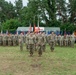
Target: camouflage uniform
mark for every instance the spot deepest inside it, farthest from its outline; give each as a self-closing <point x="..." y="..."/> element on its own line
<point x="21" y="41"/>
<point x="40" y="43"/>
<point x="14" y="40"/>
<point x="17" y="39"/>
<point x="4" y="40"/>
<point x="31" y="43"/>
<point x="27" y="41"/>
<point x="69" y="40"/>
<point x="61" y="41"/>
<point x="44" y="41"/>
<point x="36" y="40"/>
<point x="9" y="40"/>
<point x="0" y="40"/>
<point x="72" y="40"/>
<point x="65" y="40"/>
<point x="52" y="41"/>
<point x="58" y="40"/>
<point x="55" y="40"/>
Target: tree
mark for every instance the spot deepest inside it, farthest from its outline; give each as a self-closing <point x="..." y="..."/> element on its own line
<point x="61" y="12"/>
<point x="11" y="24"/>
<point x="72" y="10"/>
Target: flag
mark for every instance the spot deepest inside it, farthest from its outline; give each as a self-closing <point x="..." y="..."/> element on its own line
<point x="38" y="25"/>
<point x="30" y="28"/>
<point x="1" y="32"/>
<point x="34" y="28"/>
<point x="65" y="33"/>
<point x="7" y="32"/>
<point x="17" y="32"/>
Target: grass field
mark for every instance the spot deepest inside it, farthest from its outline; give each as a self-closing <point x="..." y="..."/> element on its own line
<point x="60" y="62"/>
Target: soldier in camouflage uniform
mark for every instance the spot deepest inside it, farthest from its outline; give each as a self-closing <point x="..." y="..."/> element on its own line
<point x="58" y="40"/>
<point x="9" y="40"/>
<point x="48" y="38"/>
<point x="4" y="40"/>
<point x="36" y="40"/>
<point x="52" y="41"/>
<point x="31" y="44"/>
<point x="72" y="40"/>
<point x="40" y="43"/>
<point x="21" y="41"/>
<point x="65" y="40"/>
<point x="1" y="39"/>
<point x="61" y="41"/>
<point x="27" y="41"/>
<point x="44" y="41"/>
<point x="17" y="39"/>
<point x="14" y="40"/>
<point x="69" y="40"/>
<point x="55" y="39"/>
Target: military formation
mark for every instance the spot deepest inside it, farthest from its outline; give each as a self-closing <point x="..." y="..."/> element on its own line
<point x="37" y="41"/>
<point x="9" y="40"/>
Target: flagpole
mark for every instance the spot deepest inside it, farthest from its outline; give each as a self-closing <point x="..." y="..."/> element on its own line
<point x="38" y="21"/>
<point x="34" y="24"/>
<point x="38" y="24"/>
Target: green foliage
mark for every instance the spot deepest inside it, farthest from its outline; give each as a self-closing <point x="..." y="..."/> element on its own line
<point x="68" y="27"/>
<point x="11" y="24"/>
<point x="55" y="23"/>
<point x="52" y="13"/>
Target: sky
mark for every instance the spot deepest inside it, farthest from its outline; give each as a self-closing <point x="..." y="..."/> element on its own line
<point x="24" y="2"/>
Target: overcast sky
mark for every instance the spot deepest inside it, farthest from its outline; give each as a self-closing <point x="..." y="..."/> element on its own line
<point x="24" y="2"/>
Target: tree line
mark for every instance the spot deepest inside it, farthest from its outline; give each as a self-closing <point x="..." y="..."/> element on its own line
<point x="51" y="13"/>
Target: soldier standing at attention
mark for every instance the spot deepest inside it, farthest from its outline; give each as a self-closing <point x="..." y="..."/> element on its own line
<point x="1" y="39"/>
<point x="21" y="41"/>
<point x="27" y="41"/>
<point x="52" y="41"/>
<point x="9" y="40"/>
<point x="44" y="41"/>
<point x="40" y="44"/>
<point x="35" y="44"/>
<point x="14" y="40"/>
<point x="61" y="41"/>
<point x="31" y="44"/>
<point x="4" y="39"/>
<point x="72" y="40"/>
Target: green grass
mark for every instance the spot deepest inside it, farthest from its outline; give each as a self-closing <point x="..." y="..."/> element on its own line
<point x="60" y="62"/>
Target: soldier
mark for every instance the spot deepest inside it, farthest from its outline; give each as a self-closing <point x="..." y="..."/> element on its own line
<point x="21" y="41"/>
<point x="72" y="40"/>
<point x="1" y="39"/>
<point x="27" y="41"/>
<point x="40" y="43"/>
<point x="14" y="40"/>
<point x="65" y="40"/>
<point x="44" y="41"/>
<point x="48" y="38"/>
<point x="36" y="40"/>
<point x="4" y="40"/>
<point x="56" y="39"/>
<point x="69" y="40"/>
<point x="52" y="41"/>
<point x="9" y="40"/>
<point x="61" y="41"/>
<point x="31" y="44"/>
<point x="17" y="39"/>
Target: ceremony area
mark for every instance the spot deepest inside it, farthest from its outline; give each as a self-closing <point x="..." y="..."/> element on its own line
<point x="15" y="62"/>
<point x="37" y="37"/>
